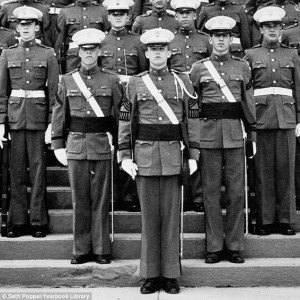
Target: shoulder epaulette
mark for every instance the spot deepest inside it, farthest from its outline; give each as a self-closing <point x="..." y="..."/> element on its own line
<point x="70" y="5"/>
<point x="108" y="71"/>
<point x="38" y="1"/>
<point x="210" y="4"/>
<point x="286" y="46"/>
<point x="43" y="46"/>
<point x="8" y="2"/>
<point x="256" y="46"/>
<point x="236" y="3"/>
<point x="148" y="13"/>
<point x="6" y="29"/>
<point x="14" y="46"/>
<point x="236" y="57"/>
<point x="291" y="26"/>
<point x="170" y="12"/>
<point x="72" y="72"/>
<point x="142" y="74"/>
<point x="202" y="32"/>
<point x="204" y="59"/>
<point x="133" y="33"/>
<point x="96" y="3"/>
<point x="175" y="71"/>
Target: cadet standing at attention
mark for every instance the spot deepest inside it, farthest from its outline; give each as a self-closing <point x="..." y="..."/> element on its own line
<point x="276" y="77"/>
<point x="26" y="69"/>
<point x="161" y="107"/>
<point x="82" y="139"/>
<point x="224" y="86"/>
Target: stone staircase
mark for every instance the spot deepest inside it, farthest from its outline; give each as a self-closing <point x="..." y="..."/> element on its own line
<point x="270" y="261"/>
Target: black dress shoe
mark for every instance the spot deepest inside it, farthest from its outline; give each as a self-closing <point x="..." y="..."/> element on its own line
<point x="170" y="285"/>
<point x="80" y="259"/>
<point x="235" y="257"/>
<point x="150" y="286"/>
<point x="103" y="259"/>
<point x="17" y="231"/>
<point x="213" y="257"/>
<point x="286" y="229"/>
<point x="265" y="229"/>
<point x="38" y="231"/>
<point x="199" y="207"/>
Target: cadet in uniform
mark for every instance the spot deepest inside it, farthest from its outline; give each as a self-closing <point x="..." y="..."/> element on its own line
<point x="189" y="46"/>
<point x="79" y="15"/>
<point x="157" y="157"/>
<point x="7" y="38"/>
<point x="8" y="20"/>
<point x="25" y="71"/>
<point x="123" y="53"/>
<point x="223" y="106"/>
<point x="240" y="33"/>
<point x="84" y="103"/>
<point x="276" y="77"/>
<point x="158" y="17"/>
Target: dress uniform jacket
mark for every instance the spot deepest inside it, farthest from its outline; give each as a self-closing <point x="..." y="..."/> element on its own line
<point x="27" y="66"/>
<point x="9" y="21"/>
<point x="7" y="38"/>
<point x="235" y="11"/>
<point x="221" y="146"/>
<point x="277" y="66"/>
<point x="154" y="19"/>
<point x="187" y="47"/>
<point x="123" y="53"/>
<point x="88" y="153"/>
<point x="291" y="37"/>
<point x="159" y="166"/>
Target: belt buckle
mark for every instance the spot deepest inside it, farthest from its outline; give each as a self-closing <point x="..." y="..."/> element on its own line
<point x="274" y="92"/>
<point x="28" y="94"/>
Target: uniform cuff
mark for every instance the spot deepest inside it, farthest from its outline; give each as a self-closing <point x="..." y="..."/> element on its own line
<point x="57" y="144"/>
<point x="194" y="153"/>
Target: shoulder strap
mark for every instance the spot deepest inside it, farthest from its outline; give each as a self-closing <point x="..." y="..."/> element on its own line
<point x="87" y="94"/>
<point x="160" y="99"/>
<point x="219" y="80"/>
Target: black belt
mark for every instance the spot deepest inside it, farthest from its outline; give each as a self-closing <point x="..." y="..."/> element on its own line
<point x="158" y="132"/>
<point x="92" y="125"/>
<point x="225" y="110"/>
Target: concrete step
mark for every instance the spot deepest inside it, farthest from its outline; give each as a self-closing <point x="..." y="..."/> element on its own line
<point x="130" y="222"/>
<point x="127" y="246"/>
<point x="283" y="272"/>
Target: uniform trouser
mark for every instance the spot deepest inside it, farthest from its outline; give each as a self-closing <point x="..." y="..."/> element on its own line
<point x="28" y="145"/>
<point x="275" y="171"/>
<point x="297" y="172"/>
<point x="160" y="209"/>
<point x="211" y="166"/>
<point x="90" y="182"/>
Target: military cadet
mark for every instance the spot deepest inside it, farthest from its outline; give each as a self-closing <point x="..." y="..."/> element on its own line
<point x="84" y="103"/>
<point x="141" y="7"/>
<point x="8" y="20"/>
<point x="276" y="77"/>
<point x="158" y="17"/>
<point x="234" y="9"/>
<point x="7" y="38"/>
<point x="189" y="46"/>
<point x="79" y="15"/>
<point x="155" y="109"/>
<point x="123" y="53"/>
<point x="26" y="69"/>
<point x="223" y="83"/>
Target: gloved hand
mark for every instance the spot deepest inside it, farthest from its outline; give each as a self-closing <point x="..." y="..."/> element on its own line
<point x="297" y="130"/>
<point x="48" y="134"/>
<point x="2" y="132"/>
<point x="61" y="156"/>
<point x="129" y="167"/>
<point x="254" y="148"/>
<point x="193" y="166"/>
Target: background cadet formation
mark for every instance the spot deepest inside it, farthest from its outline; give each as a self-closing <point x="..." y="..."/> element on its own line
<point x="30" y="69"/>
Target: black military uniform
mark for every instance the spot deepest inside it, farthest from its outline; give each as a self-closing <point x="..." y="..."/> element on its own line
<point x="85" y="136"/>
<point x="27" y="103"/>
<point x="9" y="21"/>
<point x="79" y="15"/>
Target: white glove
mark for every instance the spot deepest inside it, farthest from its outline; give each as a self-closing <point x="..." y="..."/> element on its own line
<point x="193" y="166"/>
<point x="2" y="138"/>
<point x="129" y="167"/>
<point x="61" y="156"/>
<point x="48" y="134"/>
<point x="254" y="148"/>
<point x="297" y="130"/>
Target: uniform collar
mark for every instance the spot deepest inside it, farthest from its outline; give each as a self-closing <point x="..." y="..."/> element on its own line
<point x="187" y="31"/>
<point x="159" y="72"/>
<point x="223" y="3"/>
<point x="215" y="57"/>
<point x="281" y="2"/>
<point x="83" y="3"/>
<point x="159" y="13"/>
<point x="272" y="45"/>
<point x="91" y="71"/>
<point x="121" y="32"/>
<point x="24" y="2"/>
<point x="27" y="44"/>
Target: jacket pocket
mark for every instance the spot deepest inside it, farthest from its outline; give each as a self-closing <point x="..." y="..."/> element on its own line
<point x="75" y="99"/>
<point x="146" y="103"/>
<point x="103" y="96"/>
<point x="208" y="130"/>
<point x="175" y="153"/>
<point x="40" y="69"/>
<point x="143" y="153"/>
<point x="40" y="110"/>
<point x="176" y="57"/>
<point x="15" y="70"/>
<point x="236" y="130"/>
<point x="259" y="69"/>
<point x="261" y="109"/>
<point x="102" y="144"/>
<point x="286" y="70"/>
<point x="289" y="113"/>
<point x="14" y="109"/>
<point x="75" y="142"/>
